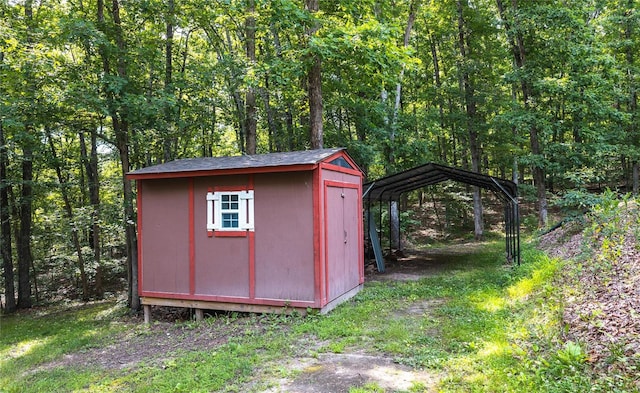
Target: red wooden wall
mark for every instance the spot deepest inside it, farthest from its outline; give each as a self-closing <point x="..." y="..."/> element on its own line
<point x="306" y="250"/>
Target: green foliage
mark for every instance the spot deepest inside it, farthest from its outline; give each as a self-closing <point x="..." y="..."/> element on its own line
<point x="611" y="221"/>
<point x="577" y="202"/>
<point x="64" y="72"/>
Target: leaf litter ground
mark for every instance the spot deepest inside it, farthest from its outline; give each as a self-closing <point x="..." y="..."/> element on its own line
<point x="602" y="308"/>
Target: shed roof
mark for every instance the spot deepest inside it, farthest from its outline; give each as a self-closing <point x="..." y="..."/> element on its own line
<point x="391" y="187"/>
<point x="205" y="165"/>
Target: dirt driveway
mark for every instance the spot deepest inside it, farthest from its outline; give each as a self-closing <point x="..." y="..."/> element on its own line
<point x="338" y="372"/>
<point x="331" y="372"/>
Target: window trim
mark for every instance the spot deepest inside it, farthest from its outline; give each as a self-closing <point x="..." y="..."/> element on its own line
<point x="245" y="213"/>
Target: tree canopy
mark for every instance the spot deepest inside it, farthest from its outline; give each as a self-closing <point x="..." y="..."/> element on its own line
<point x="543" y="92"/>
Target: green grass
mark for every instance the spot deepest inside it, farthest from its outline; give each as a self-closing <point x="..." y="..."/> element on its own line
<point x="480" y="326"/>
<point x="30" y="340"/>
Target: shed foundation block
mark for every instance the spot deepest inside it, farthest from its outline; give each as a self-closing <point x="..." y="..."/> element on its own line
<point x="147" y="313"/>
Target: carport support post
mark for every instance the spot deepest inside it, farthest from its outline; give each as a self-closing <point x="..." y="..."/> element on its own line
<point x="367" y="218"/>
<point x="390" y="230"/>
<point x="516" y="209"/>
<point x="399" y="230"/>
<point x="507" y="230"/>
<point x="398" y="222"/>
<point x="380" y="221"/>
<point x="394" y="225"/>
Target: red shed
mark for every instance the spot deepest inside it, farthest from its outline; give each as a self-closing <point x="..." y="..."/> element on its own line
<point x="263" y="233"/>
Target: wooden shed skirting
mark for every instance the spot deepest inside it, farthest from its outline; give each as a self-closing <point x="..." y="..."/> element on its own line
<point x="200" y="305"/>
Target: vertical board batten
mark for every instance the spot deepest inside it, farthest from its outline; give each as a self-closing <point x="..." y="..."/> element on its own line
<point x="319" y="270"/>
<point x="140" y="236"/>
<point x="252" y="265"/>
<point x="192" y="246"/>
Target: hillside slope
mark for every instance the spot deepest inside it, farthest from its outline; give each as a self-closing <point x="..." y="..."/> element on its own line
<point x="602" y="285"/>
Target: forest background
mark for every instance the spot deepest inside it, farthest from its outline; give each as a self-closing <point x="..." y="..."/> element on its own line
<point x="543" y="92"/>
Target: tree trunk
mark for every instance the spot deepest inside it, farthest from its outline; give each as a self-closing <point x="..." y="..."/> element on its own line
<point x="290" y="130"/>
<point x="275" y="143"/>
<point x="407" y="35"/>
<point x="394" y="225"/>
<point x="539" y="178"/>
<point x="26" y="195"/>
<point x="394" y="214"/>
<point x="442" y="142"/>
<point x="91" y="167"/>
<point x="515" y="175"/>
<point x="130" y="226"/>
<point x="315" y="85"/>
<point x="121" y="128"/>
<point x="633" y="91"/>
<point x="179" y="124"/>
<point x="241" y="130"/>
<point x="5" y="226"/>
<point x="69" y="212"/>
<point x="275" y="118"/>
<point x="121" y="131"/>
<point x="24" y="236"/>
<point x="635" y="176"/>
<point x="516" y="43"/>
<point x="235" y="94"/>
<point x="250" y="96"/>
<point x="471" y="118"/>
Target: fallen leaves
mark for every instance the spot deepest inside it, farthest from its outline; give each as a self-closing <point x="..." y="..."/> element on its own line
<point x="603" y="311"/>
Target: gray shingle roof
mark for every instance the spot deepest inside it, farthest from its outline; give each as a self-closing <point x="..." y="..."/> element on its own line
<point x="305" y="157"/>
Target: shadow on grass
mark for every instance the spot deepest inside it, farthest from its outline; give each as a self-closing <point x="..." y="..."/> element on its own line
<point x="33" y="338"/>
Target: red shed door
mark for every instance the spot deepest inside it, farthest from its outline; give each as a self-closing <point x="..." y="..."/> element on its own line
<point x="342" y="240"/>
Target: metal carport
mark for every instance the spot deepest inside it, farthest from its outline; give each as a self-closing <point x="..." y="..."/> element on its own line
<point x="390" y="188"/>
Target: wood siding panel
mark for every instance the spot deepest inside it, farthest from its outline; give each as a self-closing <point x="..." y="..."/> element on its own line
<point x="222" y="266"/>
<point x="165" y="246"/>
<point x="284" y="264"/>
<point x="221" y="263"/>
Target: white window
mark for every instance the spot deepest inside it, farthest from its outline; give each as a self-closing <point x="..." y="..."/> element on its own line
<point x="230" y="211"/>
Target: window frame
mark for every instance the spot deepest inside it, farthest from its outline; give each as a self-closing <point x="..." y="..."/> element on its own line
<point x="229" y="214"/>
<point x="245" y="212"/>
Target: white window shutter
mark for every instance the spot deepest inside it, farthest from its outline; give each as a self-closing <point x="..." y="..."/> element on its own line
<point x="246" y="210"/>
<point x="214" y="218"/>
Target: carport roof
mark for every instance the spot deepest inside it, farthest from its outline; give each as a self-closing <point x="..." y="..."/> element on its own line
<point x="391" y="187"/>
